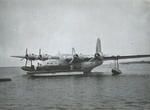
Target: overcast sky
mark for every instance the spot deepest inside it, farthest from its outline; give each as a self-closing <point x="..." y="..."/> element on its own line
<point x="58" y="25"/>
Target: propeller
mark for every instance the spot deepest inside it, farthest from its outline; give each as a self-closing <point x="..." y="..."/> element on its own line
<point x="26" y="57"/>
<point x="26" y="52"/>
<point x="40" y="55"/>
<point x="75" y="56"/>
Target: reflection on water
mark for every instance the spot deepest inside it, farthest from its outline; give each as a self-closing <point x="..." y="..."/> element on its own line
<point x="131" y="90"/>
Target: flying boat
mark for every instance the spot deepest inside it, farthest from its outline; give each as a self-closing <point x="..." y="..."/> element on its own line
<point x="72" y="62"/>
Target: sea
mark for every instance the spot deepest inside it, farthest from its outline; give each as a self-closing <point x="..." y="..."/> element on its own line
<point x="97" y="91"/>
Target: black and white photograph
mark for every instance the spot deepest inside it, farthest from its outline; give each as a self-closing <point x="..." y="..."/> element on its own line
<point x="74" y="54"/>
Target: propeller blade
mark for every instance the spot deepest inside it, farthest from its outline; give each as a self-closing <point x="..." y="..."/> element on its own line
<point x="40" y="55"/>
<point x="26" y="51"/>
<point x="73" y="51"/>
<point x="39" y="51"/>
<point x="26" y="62"/>
<point x="75" y="57"/>
<point x="26" y="54"/>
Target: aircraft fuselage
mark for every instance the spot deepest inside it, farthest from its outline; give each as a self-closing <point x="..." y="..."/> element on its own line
<point x="63" y="67"/>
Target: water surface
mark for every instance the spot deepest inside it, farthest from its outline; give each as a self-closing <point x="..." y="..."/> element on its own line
<point x="131" y="90"/>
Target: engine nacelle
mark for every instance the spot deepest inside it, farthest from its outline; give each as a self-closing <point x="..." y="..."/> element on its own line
<point x="75" y="56"/>
<point x="75" y="59"/>
<point x="43" y="57"/>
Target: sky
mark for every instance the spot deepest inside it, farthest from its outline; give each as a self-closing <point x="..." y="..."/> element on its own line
<point x="58" y="25"/>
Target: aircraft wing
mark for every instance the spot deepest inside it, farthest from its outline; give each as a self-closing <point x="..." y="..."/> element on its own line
<point x="124" y="57"/>
<point x="19" y="56"/>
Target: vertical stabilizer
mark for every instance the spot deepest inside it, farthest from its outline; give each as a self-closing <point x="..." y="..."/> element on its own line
<point x="98" y="46"/>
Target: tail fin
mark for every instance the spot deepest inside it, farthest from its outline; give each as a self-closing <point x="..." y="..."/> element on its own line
<point x="98" y="46"/>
